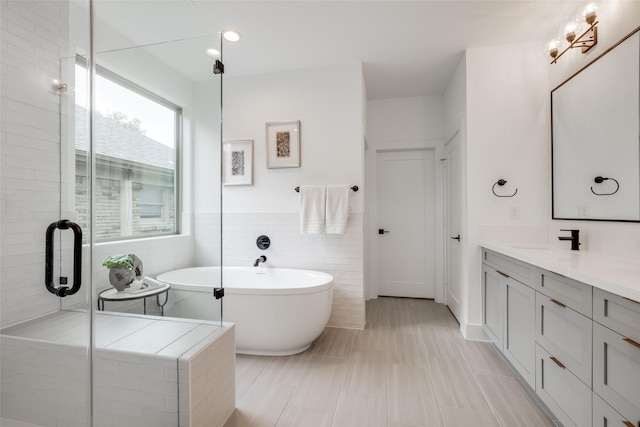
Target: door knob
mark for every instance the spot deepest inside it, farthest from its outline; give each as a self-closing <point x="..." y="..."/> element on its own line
<point x="456" y="238"/>
<point x="382" y="231"/>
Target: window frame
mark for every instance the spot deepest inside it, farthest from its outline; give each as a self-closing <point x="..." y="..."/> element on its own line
<point x="178" y="140"/>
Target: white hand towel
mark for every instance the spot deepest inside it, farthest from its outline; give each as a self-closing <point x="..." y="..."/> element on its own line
<point x="312" y="208"/>
<point x="338" y="208"/>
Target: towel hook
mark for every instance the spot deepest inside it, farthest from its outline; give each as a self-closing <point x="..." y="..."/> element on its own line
<point x="600" y="180"/>
<point x="501" y="182"/>
<point x="354" y="188"/>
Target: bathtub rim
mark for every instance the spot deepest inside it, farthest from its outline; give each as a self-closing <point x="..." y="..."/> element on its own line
<point x="230" y="289"/>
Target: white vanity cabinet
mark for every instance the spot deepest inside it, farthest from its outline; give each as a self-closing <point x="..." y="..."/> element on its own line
<point x="605" y="416"/>
<point x="509" y="311"/>
<point x="578" y="346"/>
<point x="494" y="303"/>
<point x="519" y="343"/>
<point x="616" y="354"/>
<point x="565" y="334"/>
<point x="568" y="398"/>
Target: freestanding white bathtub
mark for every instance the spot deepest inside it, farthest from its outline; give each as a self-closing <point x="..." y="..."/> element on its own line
<point x="277" y="311"/>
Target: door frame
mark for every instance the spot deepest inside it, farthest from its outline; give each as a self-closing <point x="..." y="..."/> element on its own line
<point x="371" y="255"/>
<point x="461" y="131"/>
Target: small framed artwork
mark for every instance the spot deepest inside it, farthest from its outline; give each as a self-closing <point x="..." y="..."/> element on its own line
<point x="237" y="165"/>
<point x="283" y="144"/>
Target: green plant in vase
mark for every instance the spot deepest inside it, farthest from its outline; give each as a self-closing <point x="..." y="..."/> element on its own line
<point x="121" y="272"/>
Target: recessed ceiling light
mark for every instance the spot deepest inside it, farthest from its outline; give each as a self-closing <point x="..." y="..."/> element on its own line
<point x="213" y="52"/>
<point x="231" y="35"/>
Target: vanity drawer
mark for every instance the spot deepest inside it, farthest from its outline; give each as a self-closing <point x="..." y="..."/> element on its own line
<point x="523" y="272"/>
<point x="605" y="416"/>
<point x="568" y="398"/>
<point x="566" y="334"/>
<point x="616" y="371"/>
<point x="569" y="292"/>
<point x="618" y="313"/>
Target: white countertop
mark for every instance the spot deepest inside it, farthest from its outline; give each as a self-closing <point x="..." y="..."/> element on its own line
<point x="614" y="274"/>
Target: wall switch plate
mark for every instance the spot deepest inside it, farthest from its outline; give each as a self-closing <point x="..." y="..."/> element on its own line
<point x="514" y="212"/>
<point x="583" y="211"/>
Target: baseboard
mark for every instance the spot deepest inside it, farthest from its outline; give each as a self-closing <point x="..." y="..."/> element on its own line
<point x="473" y="332"/>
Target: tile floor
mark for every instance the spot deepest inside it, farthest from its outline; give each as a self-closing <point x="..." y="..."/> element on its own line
<point x="409" y="367"/>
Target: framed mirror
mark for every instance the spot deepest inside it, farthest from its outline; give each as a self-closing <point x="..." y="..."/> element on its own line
<point x="595" y="120"/>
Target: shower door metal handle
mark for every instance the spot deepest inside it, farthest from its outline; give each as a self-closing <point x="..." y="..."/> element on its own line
<point x="63" y="291"/>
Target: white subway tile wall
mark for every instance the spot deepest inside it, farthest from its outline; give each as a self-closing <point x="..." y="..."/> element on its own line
<point x="51" y="374"/>
<point x="34" y="38"/>
<point x="207" y="381"/>
<point x="34" y="41"/>
<point x="338" y="255"/>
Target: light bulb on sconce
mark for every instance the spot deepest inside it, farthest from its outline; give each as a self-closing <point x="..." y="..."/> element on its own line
<point x="590" y="13"/>
<point x="554" y="48"/>
<point x="587" y="38"/>
<point x="570" y="31"/>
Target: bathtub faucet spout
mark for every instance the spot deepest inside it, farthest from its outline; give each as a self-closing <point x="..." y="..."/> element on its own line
<point x="259" y="260"/>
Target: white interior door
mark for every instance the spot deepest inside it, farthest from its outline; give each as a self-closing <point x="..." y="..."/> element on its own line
<point x="406" y="216"/>
<point x="454" y="289"/>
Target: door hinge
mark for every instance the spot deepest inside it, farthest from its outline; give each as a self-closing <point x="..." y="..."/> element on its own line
<point x="218" y="67"/>
<point x="218" y="293"/>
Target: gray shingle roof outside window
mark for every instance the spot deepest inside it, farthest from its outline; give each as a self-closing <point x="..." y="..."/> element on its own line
<point x="116" y="141"/>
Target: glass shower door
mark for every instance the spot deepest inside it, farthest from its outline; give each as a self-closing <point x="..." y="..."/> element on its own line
<point x="45" y="279"/>
<point x="155" y="127"/>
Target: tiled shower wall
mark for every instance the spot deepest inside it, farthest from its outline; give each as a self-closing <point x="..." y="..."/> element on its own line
<point x="34" y="38"/>
<point x="340" y="255"/>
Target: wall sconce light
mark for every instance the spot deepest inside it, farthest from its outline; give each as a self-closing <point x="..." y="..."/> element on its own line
<point x="585" y="41"/>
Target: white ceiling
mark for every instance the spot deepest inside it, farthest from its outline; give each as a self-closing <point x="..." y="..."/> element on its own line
<point x="407" y="48"/>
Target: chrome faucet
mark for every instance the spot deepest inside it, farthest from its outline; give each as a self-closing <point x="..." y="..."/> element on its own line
<point x="259" y="260"/>
<point x="575" y="239"/>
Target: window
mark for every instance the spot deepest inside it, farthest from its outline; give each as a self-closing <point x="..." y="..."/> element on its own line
<point x="137" y="141"/>
<point x="152" y="203"/>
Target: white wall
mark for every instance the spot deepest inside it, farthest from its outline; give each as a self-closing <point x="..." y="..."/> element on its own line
<point x="455" y="99"/>
<point x="328" y="103"/>
<point x="30" y="157"/>
<point x="395" y="124"/>
<point x="507" y="136"/>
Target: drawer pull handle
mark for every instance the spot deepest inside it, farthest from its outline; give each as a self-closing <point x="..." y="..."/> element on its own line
<point x="501" y="273"/>
<point x="627" y="424"/>
<point x="557" y="362"/>
<point x="632" y="342"/>
<point x="632" y="300"/>
<point x="558" y="303"/>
